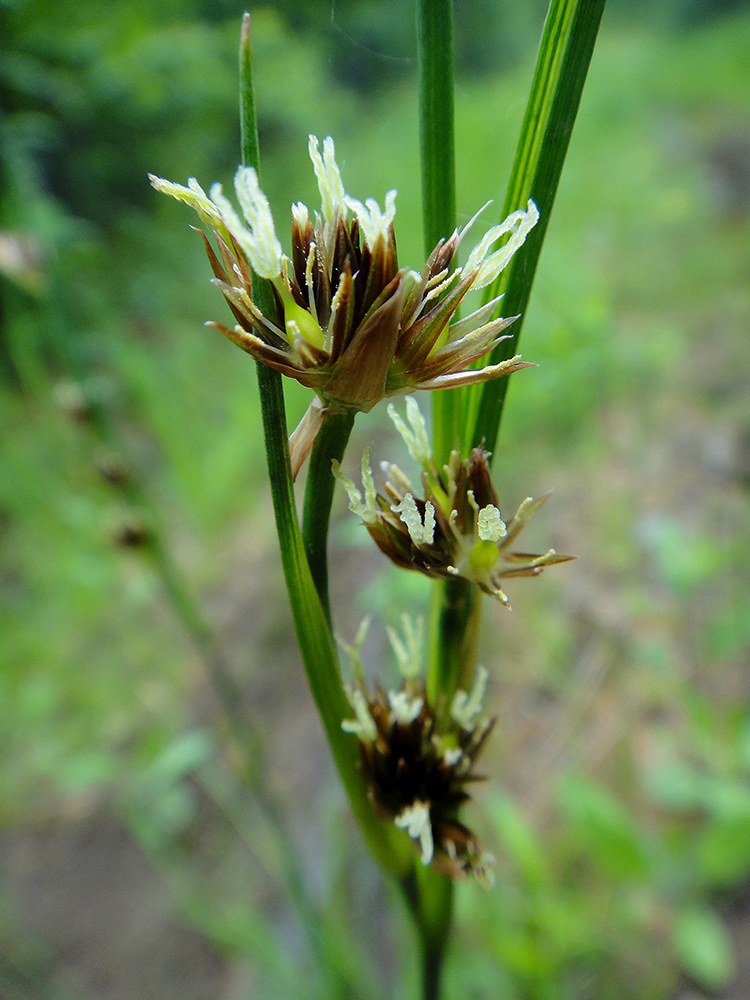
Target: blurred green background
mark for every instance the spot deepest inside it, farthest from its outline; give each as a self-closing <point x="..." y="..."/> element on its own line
<point x="137" y="555"/>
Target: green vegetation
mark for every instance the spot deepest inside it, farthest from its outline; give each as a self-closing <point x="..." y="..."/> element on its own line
<point x="619" y="799"/>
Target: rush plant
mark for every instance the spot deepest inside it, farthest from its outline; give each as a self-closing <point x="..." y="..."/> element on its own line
<point x="344" y="317"/>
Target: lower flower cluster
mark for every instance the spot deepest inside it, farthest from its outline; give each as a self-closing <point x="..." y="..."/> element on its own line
<point x="418" y="763"/>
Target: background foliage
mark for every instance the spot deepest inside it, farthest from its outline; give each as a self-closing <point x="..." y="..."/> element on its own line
<point x="618" y="802"/>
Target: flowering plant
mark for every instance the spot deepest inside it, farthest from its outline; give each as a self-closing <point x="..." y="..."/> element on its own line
<point x="340" y="316"/>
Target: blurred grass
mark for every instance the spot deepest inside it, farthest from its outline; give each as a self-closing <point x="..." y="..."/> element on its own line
<point x="620" y="681"/>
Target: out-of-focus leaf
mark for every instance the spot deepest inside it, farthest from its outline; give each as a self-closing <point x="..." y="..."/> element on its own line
<point x="703" y="948"/>
<point x="603" y="828"/>
<point x="519" y="839"/>
<point x="724" y="849"/>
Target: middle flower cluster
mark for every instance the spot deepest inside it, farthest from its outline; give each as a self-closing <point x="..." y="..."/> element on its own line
<point x="457" y="529"/>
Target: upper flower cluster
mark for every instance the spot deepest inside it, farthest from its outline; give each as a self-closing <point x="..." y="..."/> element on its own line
<point x="349" y="323"/>
<point x="457" y="530"/>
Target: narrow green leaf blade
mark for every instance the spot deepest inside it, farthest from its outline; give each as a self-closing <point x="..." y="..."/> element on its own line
<point x="565" y="53"/>
<point x="438" y="162"/>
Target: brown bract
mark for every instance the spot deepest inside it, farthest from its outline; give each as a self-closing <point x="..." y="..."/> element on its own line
<point x="455" y="529"/>
<point x="357" y="327"/>
<point x="410" y="763"/>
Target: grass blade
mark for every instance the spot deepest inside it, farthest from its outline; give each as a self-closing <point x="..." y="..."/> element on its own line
<point x="565" y="52"/>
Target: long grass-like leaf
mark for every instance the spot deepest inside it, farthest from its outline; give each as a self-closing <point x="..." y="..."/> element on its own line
<point x="437" y="157"/>
<point x="564" y="56"/>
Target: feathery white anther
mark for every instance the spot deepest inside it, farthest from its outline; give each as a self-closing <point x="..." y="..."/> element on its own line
<point x="354" y="651"/>
<point x="416" y="821"/>
<point x="490" y="525"/>
<point x="300" y="214"/>
<point x="409" y="649"/>
<point x="309" y="282"/>
<point x="367" y="510"/>
<point x="330" y="185"/>
<point x="192" y="195"/>
<point x="416" y="439"/>
<point x="465" y="707"/>
<point x="373" y="222"/>
<point x="364" y="725"/>
<point x="261" y="245"/>
<point x="519" y="224"/>
<point x="404" y="708"/>
<point x="396" y="476"/>
<point x="421" y="533"/>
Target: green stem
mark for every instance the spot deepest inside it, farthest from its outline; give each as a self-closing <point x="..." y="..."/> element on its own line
<point x="438" y="161"/>
<point x="432" y="895"/>
<point x="455" y="614"/>
<point x="313" y="632"/>
<point x="429" y="897"/>
<point x="565" y="53"/>
<point x="312" y="629"/>
<point x="330" y="443"/>
<point x="436" y="119"/>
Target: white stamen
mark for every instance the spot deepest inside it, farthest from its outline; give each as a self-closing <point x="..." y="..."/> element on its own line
<point x="367" y="511"/>
<point x="396" y="477"/>
<point x="335" y="302"/>
<point x="309" y="282"/>
<point x="301" y="215"/>
<point x="490" y="525"/>
<point x="416" y="821"/>
<point x="466" y="706"/>
<point x="263" y="250"/>
<point x="330" y="185"/>
<point x="404" y="708"/>
<point x="519" y="224"/>
<point x="192" y="195"/>
<point x="420" y="533"/>
<point x="373" y="221"/>
<point x="364" y="725"/>
<point x="416" y="440"/>
<point x="354" y="651"/>
<point x="369" y="483"/>
<point x="409" y="650"/>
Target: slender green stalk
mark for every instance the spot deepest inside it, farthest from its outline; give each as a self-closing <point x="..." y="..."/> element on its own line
<point x="455" y="613"/>
<point x="330" y="443"/>
<point x="310" y="622"/>
<point x="431" y="895"/>
<point x="565" y="53"/>
<point x="438" y="162"/>
<point x="430" y="899"/>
